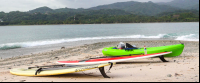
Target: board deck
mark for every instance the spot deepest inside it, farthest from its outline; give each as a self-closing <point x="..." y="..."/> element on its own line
<point x="114" y="59"/>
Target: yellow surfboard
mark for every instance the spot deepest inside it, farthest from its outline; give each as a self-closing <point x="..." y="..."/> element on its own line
<point x="57" y="71"/>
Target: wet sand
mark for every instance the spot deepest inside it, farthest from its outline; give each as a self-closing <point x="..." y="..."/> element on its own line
<point x="184" y="68"/>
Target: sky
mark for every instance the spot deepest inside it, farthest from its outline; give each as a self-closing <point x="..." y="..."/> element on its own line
<point x="26" y="5"/>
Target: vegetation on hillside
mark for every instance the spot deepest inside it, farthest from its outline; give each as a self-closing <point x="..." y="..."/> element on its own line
<point x="121" y="12"/>
<point x="21" y="18"/>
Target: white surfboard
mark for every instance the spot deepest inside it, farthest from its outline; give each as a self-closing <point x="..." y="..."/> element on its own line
<point x="113" y="59"/>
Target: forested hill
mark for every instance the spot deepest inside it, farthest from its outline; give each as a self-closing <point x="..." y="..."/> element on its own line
<point x="43" y="10"/>
<point x="121" y="12"/>
<point x="133" y="7"/>
<point x="139" y="8"/>
<point x="183" y="4"/>
<point x="72" y="12"/>
<point x="24" y="18"/>
<point x="145" y="8"/>
<point x="46" y="9"/>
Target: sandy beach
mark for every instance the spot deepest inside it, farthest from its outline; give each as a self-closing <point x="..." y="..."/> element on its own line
<point x="184" y="68"/>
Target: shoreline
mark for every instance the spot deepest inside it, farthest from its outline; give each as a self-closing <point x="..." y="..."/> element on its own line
<point x="18" y="52"/>
<point x="184" y="69"/>
<point x="99" y="23"/>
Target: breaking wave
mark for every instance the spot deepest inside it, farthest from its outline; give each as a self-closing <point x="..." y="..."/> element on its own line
<point x="190" y="37"/>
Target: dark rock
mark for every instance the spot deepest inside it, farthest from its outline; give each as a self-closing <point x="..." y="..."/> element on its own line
<point x="62" y="47"/>
<point x="169" y="75"/>
<point x="176" y="74"/>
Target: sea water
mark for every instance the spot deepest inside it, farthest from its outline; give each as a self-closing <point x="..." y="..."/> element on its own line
<point x="14" y="37"/>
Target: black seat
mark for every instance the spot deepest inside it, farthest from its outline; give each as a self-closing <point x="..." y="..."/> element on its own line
<point x="130" y="46"/>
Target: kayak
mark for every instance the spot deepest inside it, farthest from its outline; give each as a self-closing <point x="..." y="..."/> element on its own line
<point x="131" y="50"/>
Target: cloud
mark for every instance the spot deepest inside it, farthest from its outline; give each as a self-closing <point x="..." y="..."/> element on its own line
<point x="26" y="5"/>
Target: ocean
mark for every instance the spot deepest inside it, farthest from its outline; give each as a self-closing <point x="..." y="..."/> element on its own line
<point x="15" y="37"/>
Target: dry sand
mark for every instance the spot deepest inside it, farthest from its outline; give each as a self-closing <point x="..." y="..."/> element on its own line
<point x="184" y="68"/>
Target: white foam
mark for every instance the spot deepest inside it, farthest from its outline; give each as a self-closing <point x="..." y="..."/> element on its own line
<point x="190" y="37"/>
<point x="57" y="41"/>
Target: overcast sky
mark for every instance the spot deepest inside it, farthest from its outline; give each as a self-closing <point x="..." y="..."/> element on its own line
<point x="26" y="5"/>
